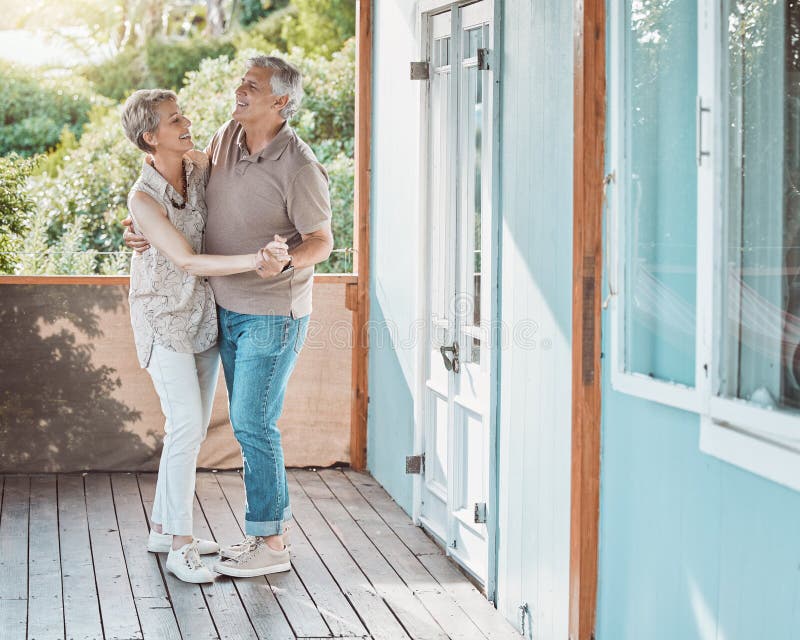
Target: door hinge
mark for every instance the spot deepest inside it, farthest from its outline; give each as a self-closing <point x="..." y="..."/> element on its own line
<point x="415" y="464"/>
<point x="484" y="59"/>
<point x="480" y="513"/>
<point x="420" y="70"/>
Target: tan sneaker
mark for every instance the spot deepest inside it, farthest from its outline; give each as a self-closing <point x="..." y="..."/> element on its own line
<point x="235" y="549"/>
<point x="256" y="559"/>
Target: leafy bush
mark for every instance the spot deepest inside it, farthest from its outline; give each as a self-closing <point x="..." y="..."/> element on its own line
<point x="267" y="33"/>
<point x="252" y="10"/>
<point x="34" y="110"/>
<point x="169" y="60"/>
<point x="118" y="77"/>
<point x="16" y="206"/>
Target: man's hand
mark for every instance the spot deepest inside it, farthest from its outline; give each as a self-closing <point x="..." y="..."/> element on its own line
<point x="271" y="259"/>
<point x="132" y="240"/>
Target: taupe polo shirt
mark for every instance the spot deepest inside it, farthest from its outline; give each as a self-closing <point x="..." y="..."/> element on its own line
<point x="251" y="197"/>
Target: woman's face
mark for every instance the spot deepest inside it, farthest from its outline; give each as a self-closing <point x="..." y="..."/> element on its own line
<point x="172" y="134"/>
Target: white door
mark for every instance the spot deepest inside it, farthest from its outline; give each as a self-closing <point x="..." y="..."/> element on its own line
<point x="455" y="487"/>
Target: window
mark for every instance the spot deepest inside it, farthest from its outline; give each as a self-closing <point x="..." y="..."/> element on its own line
<point x="705" y="223"/>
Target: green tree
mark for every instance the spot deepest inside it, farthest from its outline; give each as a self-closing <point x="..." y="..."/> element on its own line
<point x="321" y="26"/>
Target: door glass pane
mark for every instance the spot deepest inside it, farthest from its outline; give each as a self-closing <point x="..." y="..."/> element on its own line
<point x="441" y="216"/>
<point x="471" y="168"/>
<point x="761" y="291"/>
<point x="660" y="186"/>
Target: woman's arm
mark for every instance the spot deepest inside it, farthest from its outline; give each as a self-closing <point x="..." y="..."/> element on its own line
<point x="152" y="222"/>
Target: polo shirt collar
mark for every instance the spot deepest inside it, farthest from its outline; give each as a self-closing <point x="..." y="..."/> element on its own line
<point x="273" y="151"/>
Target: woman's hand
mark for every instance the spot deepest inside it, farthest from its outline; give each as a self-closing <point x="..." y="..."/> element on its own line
<point x="271" y="259"/>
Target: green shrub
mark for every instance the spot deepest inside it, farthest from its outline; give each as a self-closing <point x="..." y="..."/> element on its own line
<point x="169" y="60"/>
<point x="118" y="77"/>
<point x="267" y="33"/>
<point x="34" y="110"/>
<point x="250" y="11"/>
<point x="16" y="207"/>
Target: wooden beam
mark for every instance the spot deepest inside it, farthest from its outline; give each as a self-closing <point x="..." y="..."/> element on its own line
<point x="363" y="151"/>
<point x="589" y="127"/>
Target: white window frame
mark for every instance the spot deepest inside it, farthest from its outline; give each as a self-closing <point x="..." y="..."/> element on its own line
<point x="761" y="440"/>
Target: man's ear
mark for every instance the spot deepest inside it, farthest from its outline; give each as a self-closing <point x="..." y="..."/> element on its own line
<point x="281" y="102"/>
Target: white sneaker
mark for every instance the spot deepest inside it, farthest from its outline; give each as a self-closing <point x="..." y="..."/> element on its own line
<point x="185" y="564"/>
<point x="231" y="551"/>
<point x="162" y="543"/>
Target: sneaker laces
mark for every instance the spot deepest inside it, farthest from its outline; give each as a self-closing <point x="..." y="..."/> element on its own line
<point x="192" y="556"/>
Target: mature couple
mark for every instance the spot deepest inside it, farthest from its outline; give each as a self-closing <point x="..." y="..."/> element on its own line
<point x="251" y="212"/>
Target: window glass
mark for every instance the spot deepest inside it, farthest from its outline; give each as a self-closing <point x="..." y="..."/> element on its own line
<point x="660" y="183"/>
<point x="761" y="202"/>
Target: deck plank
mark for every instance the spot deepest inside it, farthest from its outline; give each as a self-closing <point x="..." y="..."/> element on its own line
<point x="14" y="557"/>
<point x="441" y="605"/>
<point x="120" y="620"/>
<point x="375" y="613"/>
<point x="46" y="605"/>
<point x="188" y="600"/>
<point x="81" y="605"/>
<point x="328" y="598"/>
<point x="215" y="521"/>
<point x="419" y="623"/>
<point x="295" y="601"/>
<point x="479" y="609"/>
<point x="149" y="593"/>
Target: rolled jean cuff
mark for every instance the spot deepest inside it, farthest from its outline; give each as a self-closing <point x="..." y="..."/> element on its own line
<point x="177" y="527"/>
<point x="269" y="528"/>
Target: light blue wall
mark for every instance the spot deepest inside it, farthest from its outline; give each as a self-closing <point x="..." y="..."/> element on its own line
<point x="394" y="247"/>
<point x="535" y="413"/>
<point x="690" y="547"/>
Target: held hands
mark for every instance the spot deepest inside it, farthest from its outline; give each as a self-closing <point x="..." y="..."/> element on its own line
<point x="133" y="240"/>
<point x="271" y="260"/>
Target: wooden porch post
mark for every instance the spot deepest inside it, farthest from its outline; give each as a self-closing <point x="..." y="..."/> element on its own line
<point x="358" y="299"/>
<point x="589" y="113"/>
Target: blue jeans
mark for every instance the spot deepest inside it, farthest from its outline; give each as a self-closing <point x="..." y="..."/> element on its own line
<point x="258" y="355"/>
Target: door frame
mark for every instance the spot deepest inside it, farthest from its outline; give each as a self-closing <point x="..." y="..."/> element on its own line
<point x="426" y="9"/>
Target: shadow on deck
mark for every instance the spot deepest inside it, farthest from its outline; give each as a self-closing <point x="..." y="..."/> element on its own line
<point x="73" y="564"/>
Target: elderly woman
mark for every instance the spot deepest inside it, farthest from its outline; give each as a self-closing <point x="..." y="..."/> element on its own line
<point x="173" y="312"/>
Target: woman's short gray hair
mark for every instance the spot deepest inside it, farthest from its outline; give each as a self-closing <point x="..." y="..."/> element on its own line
<point x="140" y="115"/>
<point x="286" y="81"/>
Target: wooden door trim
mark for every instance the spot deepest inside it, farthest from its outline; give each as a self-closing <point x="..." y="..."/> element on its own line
<point x="589" y="161"/>
<point x="363" y="174"/>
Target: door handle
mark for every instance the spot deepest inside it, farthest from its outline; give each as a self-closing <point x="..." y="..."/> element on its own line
<point x="451" y="365"/>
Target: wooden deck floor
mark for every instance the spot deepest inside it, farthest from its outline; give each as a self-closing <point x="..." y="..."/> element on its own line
<point x="73" y="564"/>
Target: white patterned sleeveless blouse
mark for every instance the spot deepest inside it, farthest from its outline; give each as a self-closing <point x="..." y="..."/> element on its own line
<point x="170" y="307"/>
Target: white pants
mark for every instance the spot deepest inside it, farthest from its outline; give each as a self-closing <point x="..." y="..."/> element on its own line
<point x="185" y="383"/>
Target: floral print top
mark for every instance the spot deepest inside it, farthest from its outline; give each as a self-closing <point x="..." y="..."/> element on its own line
<point x="169" y="307"/>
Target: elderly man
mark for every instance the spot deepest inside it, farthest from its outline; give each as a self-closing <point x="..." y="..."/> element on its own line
<point x="266" y="188"/>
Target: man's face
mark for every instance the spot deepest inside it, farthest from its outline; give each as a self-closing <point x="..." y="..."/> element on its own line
<point x="255" y="101"/>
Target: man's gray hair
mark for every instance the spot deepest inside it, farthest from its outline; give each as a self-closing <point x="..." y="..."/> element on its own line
<point x="140" y="115"/>
<point x="286" y="81"/>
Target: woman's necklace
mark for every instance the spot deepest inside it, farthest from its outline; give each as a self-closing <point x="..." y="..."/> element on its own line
<point x="184" y="193"/>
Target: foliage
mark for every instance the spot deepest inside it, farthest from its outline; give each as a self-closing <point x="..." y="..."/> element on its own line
<point x="251" y="11"/>
<point x="51" y="163"/>
<point x="168" y="61"/>
<point x="118" y="77"/>
<point x="91" y="187"/>
<point x="340" y="175"/>
<point x="34" y="110"/>
<point x="321" y="26"/>
<point x="267" y="33"/>
<point x="16" y="206"/>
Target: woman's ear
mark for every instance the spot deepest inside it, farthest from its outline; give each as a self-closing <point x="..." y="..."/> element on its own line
<point x="150" y="138"/>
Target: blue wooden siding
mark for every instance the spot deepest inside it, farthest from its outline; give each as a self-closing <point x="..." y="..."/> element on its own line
<point x="690" y="547"/>
<point x="394" y="247"/>
<point x="535" y="394"/>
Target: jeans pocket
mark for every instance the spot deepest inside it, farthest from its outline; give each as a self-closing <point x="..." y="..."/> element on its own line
<point x="302" y="332"/>
<point x="269" y="335"/>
